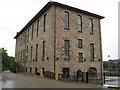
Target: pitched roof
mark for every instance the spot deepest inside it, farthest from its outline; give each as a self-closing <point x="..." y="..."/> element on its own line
<point x="48" y="5"/>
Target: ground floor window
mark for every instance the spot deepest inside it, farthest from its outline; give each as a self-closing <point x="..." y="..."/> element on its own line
<point x="30" y="69"/>
<point x="92" y="71"/>
<point x="35" y="70"/>
<point x="65" y="72"/>
<point x="79" y="73"/>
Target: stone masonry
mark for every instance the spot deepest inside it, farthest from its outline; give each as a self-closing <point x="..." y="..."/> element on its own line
<point x="54" y="36"/>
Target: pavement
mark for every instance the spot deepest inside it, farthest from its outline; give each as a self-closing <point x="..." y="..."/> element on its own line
<point x="0" y="81"/>
<point x="16" y="80"/>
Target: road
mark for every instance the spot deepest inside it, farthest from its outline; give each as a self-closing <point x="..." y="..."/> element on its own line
<point x="15" y="80"/>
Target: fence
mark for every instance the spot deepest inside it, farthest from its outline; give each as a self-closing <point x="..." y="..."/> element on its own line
<point x="111" y="78"/>
<point x="85" y="78"/>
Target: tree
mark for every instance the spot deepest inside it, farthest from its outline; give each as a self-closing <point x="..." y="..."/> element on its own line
<point x="105" y="65"/>
<point x="7" y="62"/>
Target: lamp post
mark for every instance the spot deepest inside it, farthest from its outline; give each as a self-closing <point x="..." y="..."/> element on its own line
<point x="109" y="64"/>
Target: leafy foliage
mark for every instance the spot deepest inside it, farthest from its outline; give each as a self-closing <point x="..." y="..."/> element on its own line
<point x="113" y="66"/>
<point x="6" y="62"/>
<point x="105" y="65"/>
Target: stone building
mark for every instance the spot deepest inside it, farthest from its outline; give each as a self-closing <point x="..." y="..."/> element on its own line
<point x="61" y="38"/>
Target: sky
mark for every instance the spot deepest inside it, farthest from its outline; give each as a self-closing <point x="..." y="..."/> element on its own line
<point x="15" y="14"/>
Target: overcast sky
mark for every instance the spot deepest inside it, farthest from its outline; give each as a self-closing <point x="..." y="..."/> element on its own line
<point x="15" y="14"/>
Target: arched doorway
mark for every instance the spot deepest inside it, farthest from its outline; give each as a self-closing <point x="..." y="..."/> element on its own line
<point x="80" y="76"/>
<point x="92" y="71"/>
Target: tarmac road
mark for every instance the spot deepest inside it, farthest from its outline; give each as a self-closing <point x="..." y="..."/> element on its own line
<point x="16" y="80"/>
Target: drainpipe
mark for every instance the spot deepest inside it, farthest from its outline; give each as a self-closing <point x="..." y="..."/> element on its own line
<point x="101" y="53"/>
<point x="54" y="28"/>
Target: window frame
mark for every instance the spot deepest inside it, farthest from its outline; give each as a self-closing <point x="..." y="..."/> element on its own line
<point x="28" y="35"/>
<point x="66" y="20"/>
<point x="79" y="20"/>
<point x="31" y="53"/>
<point x="80" y="43"/>
<point x="43" y="51"/>
<point x="80" y="54"/>
<point x="32" y="31"/>
<point x="92" y="51"/>
<point x="44" y="23"/>
<point x="38" y="22"/>
<point x="36" y="53"/>
<point x="66" y="49"/>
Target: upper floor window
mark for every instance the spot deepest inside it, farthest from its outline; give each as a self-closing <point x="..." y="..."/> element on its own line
<point x="18" y="56"/>
<point x="28" y="34"/>
<point x="36" y="52"/>
<point x="66" y="49"/>
<point x="31" y="52"/>
<point x="66" y="20"/>
<point x="79" y="23"/>
<point x="27" y="49"/>
<point x="44" y="23"/>
<point x="90" y="25"/>
<point x="92" y="51"/>
<point x="32" y="31"/>
<point x="21" y="56"/>
<point x="80" y="44"/>
<point x="43" y="53"/>
<point x="38" y="27"/>
<point x="80" y="56"/>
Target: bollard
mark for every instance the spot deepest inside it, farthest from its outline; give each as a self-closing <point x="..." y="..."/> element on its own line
<point x="77" y="78"/>
<point x="86" y="77"/>
<point x="56" y="75"/>
<point x="104" y="77"/>
<point x="82" y="77"/>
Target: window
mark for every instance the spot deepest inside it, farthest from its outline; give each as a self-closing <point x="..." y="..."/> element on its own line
<point x="27" y="49"/>
<point x="43" y="50"/>
<point x="28" y="35"/>
<point x="44" y="25"/>
<point x="66" y="49"/>
<point x="80" y="56"/>
<point x="32" y="31"/>
<point x="80" y="43"/>
<point x="92" y="51"/>
<point x="36" y="52"/>
<point x="92" y="71"/>
<point x="31" y="52"/>
<point x="24" y="56"/>
<point x="90" y="26"/>
<point x="18" y="56"/>
<point x="79" y="23"/>
<point x="66" y="20"/>
<point x="37" y="27"/>
<point x="79" y="73"/>
<point x="65" y="72"/>
<point x="21" y="56"/>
